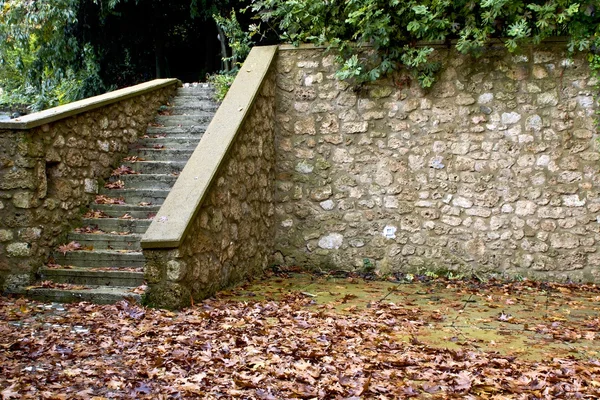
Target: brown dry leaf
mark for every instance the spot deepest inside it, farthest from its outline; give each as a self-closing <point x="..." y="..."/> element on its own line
<point x="102" y="199"/>
<point x="126" y="216"/>
<point x="140" y="289"/>
<point x="10" y="393"/>
<point x="115" y="185"/>
<point x="89" y="229"/>
<point x="95" y="214"/>
<point x="124" y="170"/>
<point x="71" y="246"/>
<point x="258" y="349"/>
<point x="158" y="146"/>
<point x="133" y="159"/>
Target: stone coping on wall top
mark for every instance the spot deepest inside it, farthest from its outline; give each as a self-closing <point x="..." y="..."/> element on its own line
<point x="56" y="113"/>
<point x="169" y="226"/>
<point x="436" y="43"/>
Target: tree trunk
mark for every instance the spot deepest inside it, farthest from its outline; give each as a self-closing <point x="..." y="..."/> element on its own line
<point x="159" y="56"/>
<point x="223" y="40"/>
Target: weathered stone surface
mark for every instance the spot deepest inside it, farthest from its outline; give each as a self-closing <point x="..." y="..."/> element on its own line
<point x="493" y="165"/>
<point x="44" y="186"/>
<point x="331" y="241"/>
<point x="18" y="249"/>
<point x="231" y="238"/>
<point x="5" y="235"/>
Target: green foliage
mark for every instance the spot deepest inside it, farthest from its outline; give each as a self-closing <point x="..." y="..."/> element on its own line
<point x="394" y="27"/>
<point x="43" y="64"/>
<point x="222" y="82"/>
<point x="240" y="43"/>
<point x="368" y="265"/>
<point x="239" y="40"/>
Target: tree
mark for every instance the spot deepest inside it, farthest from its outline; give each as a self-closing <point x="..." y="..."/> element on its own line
<point x="43" y="62"/>
<point x="56" y="51"/>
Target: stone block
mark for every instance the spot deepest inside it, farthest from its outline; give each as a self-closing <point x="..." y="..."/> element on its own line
<point x="564" y="241"/>
<point x="24" y="200"/>
<point x="331" y="241"/>
<point x="18" y="249"/>
<point x="176" y="270"/>
<point x="6" y="235"/>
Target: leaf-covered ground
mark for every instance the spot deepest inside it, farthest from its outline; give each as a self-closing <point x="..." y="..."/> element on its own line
<point x="302" y="336"/>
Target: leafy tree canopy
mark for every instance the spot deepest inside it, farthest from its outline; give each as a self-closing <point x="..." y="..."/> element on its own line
<point x="394" y="28"/>
<point x="56" y="51"/>
<point x="42" y="61"/>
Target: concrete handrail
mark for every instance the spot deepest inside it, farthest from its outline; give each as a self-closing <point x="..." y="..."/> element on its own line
<point x="171" y="223"/>
<point x="77" y="107"/>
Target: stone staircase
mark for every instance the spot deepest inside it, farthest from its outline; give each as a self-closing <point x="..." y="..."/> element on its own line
<point x="102" y="260"/>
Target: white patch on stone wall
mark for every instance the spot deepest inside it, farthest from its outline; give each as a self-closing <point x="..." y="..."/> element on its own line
<point x="585" y="101"/>
<point x="389" y="231"/>
<point x="91" y="185"/>
<point x="436" y="162"/>
<point x="327" y="205"/>
<point x="510" y="118"/>
<point x="304" y="168"/>
<point x="331" y="241"/>
<point x="485" y="98"/>
<point x="573" y="201"/>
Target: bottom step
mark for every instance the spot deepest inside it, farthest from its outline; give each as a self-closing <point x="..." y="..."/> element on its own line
<point x="90" y="277"/>
<point x="98" y="295"/>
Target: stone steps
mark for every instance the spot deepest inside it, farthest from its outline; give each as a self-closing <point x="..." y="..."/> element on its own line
<point x="90" y="277"/>
<point x="168" y="154"/>
<point x="156" y="167"/>
<point x="118" y="224"/>
<point x="177" y="131"/>
<point x="101" y="258"/>
<point x="183" y="142"/>
<point x="157" y="181"/>
<point x="182" y="120"/>
<point x="188" y="105"/>
<point x="195" y="92"/>
<point x="107" y="241"/>
<point x="94" y="294"/>
<point x="109" y="262"/>
<point x="135" y="210"/>
<point x="139" y="195"/>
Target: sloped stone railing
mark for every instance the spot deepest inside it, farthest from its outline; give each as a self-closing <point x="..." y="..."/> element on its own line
<point x="216" y="225"/>
<point x="51" y="164"/>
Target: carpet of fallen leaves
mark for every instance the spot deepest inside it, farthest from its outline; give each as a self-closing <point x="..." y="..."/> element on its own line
<point x="286" y="344"/>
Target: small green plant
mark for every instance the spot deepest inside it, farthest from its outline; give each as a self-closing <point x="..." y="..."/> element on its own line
<point x="222" y="81"/>
<point x="431" y="274"/>
<point x="368" y="265"/>
<point x="454" y="275"/>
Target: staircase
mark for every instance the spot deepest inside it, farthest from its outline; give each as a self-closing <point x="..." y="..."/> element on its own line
<point x="102" y="261"/>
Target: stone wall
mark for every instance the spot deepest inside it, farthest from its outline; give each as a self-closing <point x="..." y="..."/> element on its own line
<point x="230" y="237"/>
<point x="48" y="173"/>
<point x="495" y="168"/>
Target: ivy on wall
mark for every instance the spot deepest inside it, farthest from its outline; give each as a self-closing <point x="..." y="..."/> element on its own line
<point x="394" y="27"/>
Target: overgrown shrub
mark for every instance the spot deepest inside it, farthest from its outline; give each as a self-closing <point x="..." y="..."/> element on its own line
<point x="396" y="29"/>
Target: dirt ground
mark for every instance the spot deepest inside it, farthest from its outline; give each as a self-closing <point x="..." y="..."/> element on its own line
<point x="299" y="335"/>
